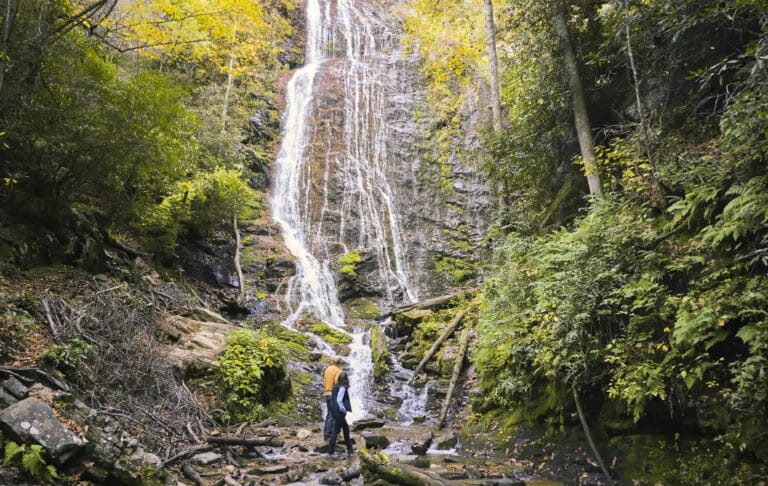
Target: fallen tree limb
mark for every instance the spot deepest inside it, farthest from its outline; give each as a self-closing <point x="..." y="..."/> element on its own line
<point x="395" y="473"/>
<point x="271" y="441"/>
<point x="463" y="346"/>
<point x="31" y="375"/>
<point x="435" y="301"/>
<point x="186" y="453"/>
<point x="446" y="334"/>
<point x="192" y="475"/>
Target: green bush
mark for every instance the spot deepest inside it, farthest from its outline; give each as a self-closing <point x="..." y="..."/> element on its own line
<point x="32" y="460"/>
<point x="253" y="368"/>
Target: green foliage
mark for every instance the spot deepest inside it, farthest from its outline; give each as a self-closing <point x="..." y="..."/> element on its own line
<point x="380" y="354"/>
<point x="32" y="460"/>
<point x="253" y="369"/>
<point x="456" y="270"/>
<point x="349" y="263"/>
<point x="70" y="359"/>
<point x="197" y="206"/>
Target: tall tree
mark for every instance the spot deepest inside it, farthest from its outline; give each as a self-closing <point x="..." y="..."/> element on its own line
<point x="490" y="32"/>
<point x="580" y="116"/>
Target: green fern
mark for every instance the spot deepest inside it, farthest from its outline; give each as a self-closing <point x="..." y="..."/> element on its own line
<point x="12" y="450"/>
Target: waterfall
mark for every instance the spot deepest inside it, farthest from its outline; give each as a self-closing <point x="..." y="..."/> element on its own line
<point x="331" y="189"/>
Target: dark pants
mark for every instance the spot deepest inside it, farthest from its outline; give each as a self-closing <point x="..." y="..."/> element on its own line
<point x="339" y="423"/>
<point x="328" y="427"/>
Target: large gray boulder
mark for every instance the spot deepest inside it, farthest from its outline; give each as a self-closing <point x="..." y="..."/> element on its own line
<point x="33" y="421"/>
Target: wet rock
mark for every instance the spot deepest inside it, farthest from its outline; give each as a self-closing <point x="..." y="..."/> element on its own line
<point x="367" y="424"/>
<point x="446" y="442"/>
<point x="373" y="441"/>
<point x="421" y="444"/>
<point x="32" y="421"/>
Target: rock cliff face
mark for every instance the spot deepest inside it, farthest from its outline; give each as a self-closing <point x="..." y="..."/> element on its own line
<point x="369" y="182"/>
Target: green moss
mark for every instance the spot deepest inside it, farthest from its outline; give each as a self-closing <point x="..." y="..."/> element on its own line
<point x="455" y="269"/>
<point x="361" y="309"/>
<point x="294" y="343"/>
<point x="349" y="263"/>
<point x="329" y="334"/>
<point x="380" y="354"/>
<point x="405" y="322"/>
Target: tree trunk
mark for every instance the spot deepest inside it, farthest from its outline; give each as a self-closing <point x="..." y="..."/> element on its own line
<point x="395" y="473"/>
<point x="490" y="32"/>
<point x="463" y="346"/>
<point x="238" y="266"/>
<point x="585" y="426"/>
<point x="452" y="327"/>
<point x="8" y="16"/>
<point x="436" y="302"/>
<point x="581" y="119"/>
<point x="230" y="77"/>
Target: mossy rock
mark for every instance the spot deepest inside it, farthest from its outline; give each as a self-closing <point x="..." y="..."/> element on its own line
<point x="362" y="309"/>
<point x="330" y="335"/>
<point x="405" y="322"/>
<point x="380" y="354"/>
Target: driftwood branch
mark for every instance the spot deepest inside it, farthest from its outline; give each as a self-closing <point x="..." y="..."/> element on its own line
<point x="446" y="334"/>
<point x="186" y="453"/>
<point x="395" y="473"/>
<point x="270" y="441"/>
<point x="192" y="475"/>
<point x="436" y="301"/>
<point x="463" y="346"/>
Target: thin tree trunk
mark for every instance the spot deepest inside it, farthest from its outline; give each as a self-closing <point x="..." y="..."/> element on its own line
<point x="452" y="327"/>
<point x="581" y="119"/>
<point x="230" y="77"/>
<point x="238" y="266"/>
<point x="640" y="113"/>
<point x="490" y="32"/>
<point x="463" y="346"/>
<point x="9" y="16"/>
<point x="585" y="426"/>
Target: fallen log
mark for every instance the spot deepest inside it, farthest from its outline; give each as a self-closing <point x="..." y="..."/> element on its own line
<point x="186" y="453"/>
<point x="270" y="441"/>
<point x="434" y="301"/>
<point x="446" y="334"/>
<point x="463" y="346"/>
<point x="192" y="475"/>
<point x="376" y="467"/>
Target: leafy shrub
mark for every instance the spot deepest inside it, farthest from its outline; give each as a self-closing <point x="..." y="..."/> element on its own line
<point x="32" y="460"/>
<point x="70" y="359"/>
<point x="197" y="206"/>
<point x="253" y="368"/>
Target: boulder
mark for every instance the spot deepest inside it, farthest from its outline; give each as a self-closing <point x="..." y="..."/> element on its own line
<point x="374" y="423"/>
<point x="32" y="421"/>
<point x="375" y="441"/>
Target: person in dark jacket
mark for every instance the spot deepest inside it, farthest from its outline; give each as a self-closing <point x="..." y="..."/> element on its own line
<point x="340" y="405"/>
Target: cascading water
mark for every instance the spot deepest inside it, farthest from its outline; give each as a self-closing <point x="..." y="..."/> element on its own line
<point x="331" y="192"/>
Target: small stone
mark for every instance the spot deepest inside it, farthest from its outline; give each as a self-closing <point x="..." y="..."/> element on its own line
<point x="206" y="458"/>
<point x="302" y="434"/>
